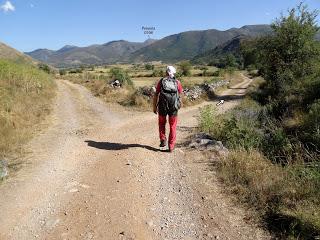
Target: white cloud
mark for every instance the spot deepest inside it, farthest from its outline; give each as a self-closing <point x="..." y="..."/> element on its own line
<point x="7" y="7"/>
<point x="268" y="14"/>
<point x="31" y="5"/>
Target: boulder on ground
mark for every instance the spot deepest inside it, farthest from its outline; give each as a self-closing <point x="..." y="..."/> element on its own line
<point x="204" y="141"/>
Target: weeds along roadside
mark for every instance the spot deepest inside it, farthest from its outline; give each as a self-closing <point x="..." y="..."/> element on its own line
<point x="273" y="136"/>
<point x="26" y="94"/>
<point x="269" y="171"/>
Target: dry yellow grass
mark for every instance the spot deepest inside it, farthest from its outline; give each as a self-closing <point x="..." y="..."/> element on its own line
<point x="142" y="81"/>
<point x="287" y="195"/>
<point x="7" y="52"/>
<point x="25" y="94"/>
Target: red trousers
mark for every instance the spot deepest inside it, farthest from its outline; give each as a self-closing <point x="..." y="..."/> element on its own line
<point x="173" y="126"/>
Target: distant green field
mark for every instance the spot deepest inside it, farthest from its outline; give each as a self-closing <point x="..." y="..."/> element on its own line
<point x="145" y="81"/>
<point x="140" y="75"/>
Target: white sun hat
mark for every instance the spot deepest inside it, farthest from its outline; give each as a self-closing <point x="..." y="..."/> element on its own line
<point x="171" y="71"/>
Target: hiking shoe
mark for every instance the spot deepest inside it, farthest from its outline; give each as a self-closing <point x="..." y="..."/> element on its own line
<point x="163" y="143"/>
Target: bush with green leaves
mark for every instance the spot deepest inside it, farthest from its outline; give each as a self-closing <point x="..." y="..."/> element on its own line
<point x="312" y="126"/>
<point x="242" y="133"/>
<point x="44" y="67"/>
<point x="230" y="61"/>
<point x="121" y="75"/>
<point x="227" y="61"/>
<point x="277" y="145"/>
<point x="290" y="55"/>
<point x="238" y="129"/>
<point x="249" y="54"/>
<point x="208" y="121"/>
<point x="149" y="66"/>
<point x="158" y="73"/>
<point x="76" y="70"/>
<point x="62" y="72"/>
<point x="185" y="68"/>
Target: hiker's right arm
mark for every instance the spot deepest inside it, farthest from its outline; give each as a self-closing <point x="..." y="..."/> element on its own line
<point x="155" y="103"/>
<point x="156" y="97"/>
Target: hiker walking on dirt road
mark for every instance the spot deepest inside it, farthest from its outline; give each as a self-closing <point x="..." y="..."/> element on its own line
<point x="166" y="102"/>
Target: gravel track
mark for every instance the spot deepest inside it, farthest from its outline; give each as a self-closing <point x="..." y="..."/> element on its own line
<point x="96" y="173"/>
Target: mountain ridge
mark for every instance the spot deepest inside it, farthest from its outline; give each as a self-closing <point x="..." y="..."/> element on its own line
<point x="172" y="48"/>
<point x="186" y="45"/>
<point x="70" y="55"/>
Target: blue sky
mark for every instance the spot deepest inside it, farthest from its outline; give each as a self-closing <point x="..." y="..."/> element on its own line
<point x="30" y="24"/>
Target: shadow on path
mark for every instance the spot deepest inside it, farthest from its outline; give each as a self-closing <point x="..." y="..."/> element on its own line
<point x="118" y="146"/>
<point x="230" y="97"/>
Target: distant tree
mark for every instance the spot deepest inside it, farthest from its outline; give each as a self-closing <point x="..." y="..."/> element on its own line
<point x="121" y="75"/>
<point x="44" y="67"/>
<point x="230" y="61"/>
<point x="158" y="73"/>
<point x="185" y="68"/>
<point x="76" y="70"/>
<point x="62" y="72"/>
<point x="149" y="66"/>
<point x="204" y="72"/>
<point x="83" y="67"/>
<point x="250" y="53"/>
<point x="227" y="61"/>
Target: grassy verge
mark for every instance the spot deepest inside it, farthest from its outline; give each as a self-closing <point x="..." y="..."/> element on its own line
<point x="287" y="198"/>
<point x="267" y="169"/>
<point x="26" y="94"/>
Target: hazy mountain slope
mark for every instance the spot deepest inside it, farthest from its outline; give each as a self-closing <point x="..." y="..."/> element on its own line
<point x="94" y="54"/>
<point x="229" y="47"/>
<point x="187" y="45"/>
<point x="10" y="53"/>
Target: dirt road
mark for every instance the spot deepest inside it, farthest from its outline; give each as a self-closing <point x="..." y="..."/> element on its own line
<point x="96" y="173"/>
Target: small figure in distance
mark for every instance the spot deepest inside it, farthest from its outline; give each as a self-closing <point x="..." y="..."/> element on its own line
<point x="167" y="102"/>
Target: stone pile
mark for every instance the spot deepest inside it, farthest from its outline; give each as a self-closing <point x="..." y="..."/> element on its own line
<point x="207" y="88"/>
